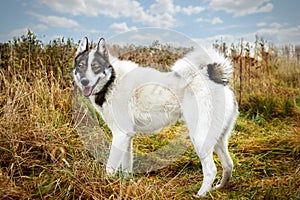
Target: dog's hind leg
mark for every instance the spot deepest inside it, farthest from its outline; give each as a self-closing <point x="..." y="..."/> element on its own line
<point x="209" y="173"/>
<point x="221" y="149"/>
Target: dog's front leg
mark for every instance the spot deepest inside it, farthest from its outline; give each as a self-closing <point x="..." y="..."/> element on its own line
<point x="127" y="158"/>
<point x="120" y="154"/>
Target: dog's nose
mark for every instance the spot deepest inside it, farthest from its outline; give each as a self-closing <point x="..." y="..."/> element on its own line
<point x="85" y="82"/>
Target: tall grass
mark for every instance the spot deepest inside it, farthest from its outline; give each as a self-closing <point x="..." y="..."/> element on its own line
<point x="266" y="78"/>
<point x="43" y="157"/>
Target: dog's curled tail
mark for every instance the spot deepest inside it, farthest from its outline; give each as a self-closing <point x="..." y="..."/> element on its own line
<point x="208" y="62"/>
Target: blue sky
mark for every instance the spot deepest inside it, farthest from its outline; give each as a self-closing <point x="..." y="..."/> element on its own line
<point x="203" y="21"/>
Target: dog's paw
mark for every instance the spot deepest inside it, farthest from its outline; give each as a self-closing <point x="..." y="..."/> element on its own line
<point x="110" y="171"/>
<point x="219" y="186"/>
<point x="197" y="196"/>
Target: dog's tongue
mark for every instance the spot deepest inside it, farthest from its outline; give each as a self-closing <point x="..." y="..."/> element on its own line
<point x="87" y="91"/>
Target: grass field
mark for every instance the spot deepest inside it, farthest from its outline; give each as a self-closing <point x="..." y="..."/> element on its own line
<point x="43" y="157"/>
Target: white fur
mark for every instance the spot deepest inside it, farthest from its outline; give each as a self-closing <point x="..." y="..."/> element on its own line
<point x="145" y="100"/>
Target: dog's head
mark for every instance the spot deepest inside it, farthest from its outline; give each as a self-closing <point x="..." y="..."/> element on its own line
<point x="92" y="69"/>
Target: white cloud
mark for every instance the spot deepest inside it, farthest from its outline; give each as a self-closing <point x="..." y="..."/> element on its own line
<point x="114" y="9"/>
<point x="23" y="31"/>
<point x="55" y="21"/>
<point x="190" y="10"/>
<point x="266" y="8"/>
<point x="261" y="24"/>
<point x="200" y="19"/>
<point x="242" y="7"/>
<point x="167" y="6"/>
<point x="276" y="36"/>
<point x="276" y="25"/>
<point x="215" y="20"/>
<point x="39" y="27"/>
<point x="118" y="8"/>
<point x="74" y="7"/>
<point x="59" y="21"/>
<point x="164" y="6"/>
<point x="160" y="14"/>
<point x="121" y="27"/>
<point x="18" y="32"/>
<point x="280" y="34"/>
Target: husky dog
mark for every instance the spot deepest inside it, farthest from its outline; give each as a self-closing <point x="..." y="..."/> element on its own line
<point x="134" y="99"/>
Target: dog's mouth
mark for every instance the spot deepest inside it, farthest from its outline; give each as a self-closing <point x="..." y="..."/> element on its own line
<point x="87" y="91"/>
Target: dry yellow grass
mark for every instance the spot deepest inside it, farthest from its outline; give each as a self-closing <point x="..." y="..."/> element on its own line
<point x="42" y="156"/>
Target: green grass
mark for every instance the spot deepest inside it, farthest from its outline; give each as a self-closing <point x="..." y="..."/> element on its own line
<point x="43" y="157"/>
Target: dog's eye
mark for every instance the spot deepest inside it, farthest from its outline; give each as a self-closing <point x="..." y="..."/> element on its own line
<point x="96" y="67"/>
<point x="80" y="65"/>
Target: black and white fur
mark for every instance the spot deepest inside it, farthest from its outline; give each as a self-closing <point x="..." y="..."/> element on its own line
<point x="134" y="99"/>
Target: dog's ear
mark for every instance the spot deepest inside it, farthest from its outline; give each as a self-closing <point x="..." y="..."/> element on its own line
<point x="101" y="48"/>
<point x="83" y="46"/>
